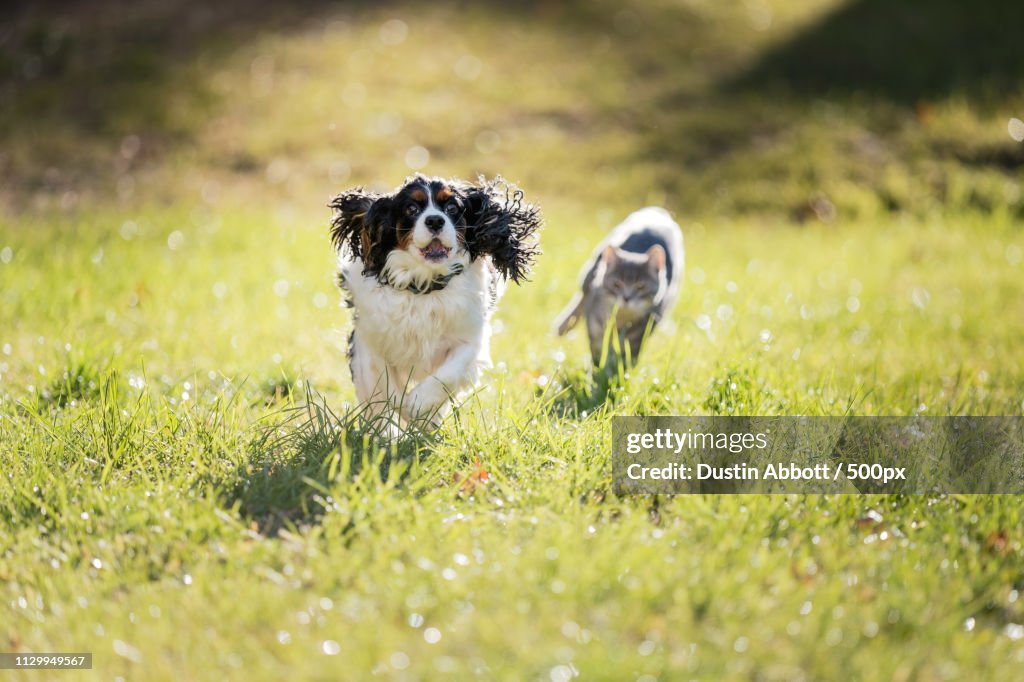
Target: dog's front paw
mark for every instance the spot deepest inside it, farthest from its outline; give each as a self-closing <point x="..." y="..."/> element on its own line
<point x="427" y="403"/>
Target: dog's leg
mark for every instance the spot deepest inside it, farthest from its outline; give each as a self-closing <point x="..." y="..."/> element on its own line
<point x="375" y="389"/>
<point x="431" y="399"/>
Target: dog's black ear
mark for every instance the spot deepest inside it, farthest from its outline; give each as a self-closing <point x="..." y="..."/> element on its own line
<point x="350" y="209"/>
<point x="379" y="236"/>
<point x="361" y="225"/>
<point x="501" y="225"/>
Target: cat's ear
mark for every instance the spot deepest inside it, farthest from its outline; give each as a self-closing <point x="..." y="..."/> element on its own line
<point x="609" y="257"/>
<point x="656" y="258"/>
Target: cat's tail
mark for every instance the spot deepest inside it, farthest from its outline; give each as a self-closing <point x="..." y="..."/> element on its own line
<point x="568" y="318"/>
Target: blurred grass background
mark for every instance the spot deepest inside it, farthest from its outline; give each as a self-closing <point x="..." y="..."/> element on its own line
<point x="851" y="202"/>
<point x="768" y="108"/>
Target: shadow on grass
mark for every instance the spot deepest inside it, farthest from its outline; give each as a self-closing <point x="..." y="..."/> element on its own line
<point x="835" y="101"/>
<point x="104" y="88"/>
<point x="906" y="52"/>
<point x="308" y="449"/>
<point x="577" y="393"/>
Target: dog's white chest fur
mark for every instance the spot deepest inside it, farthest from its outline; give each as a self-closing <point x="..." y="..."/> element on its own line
<point x="418" y="351"/>
<point x="414" y="333"/>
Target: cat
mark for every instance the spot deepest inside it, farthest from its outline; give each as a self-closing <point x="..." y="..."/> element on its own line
<point x="630" y="283"/>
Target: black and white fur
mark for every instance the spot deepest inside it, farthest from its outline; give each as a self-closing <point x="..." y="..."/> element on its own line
<point x="650" y="242"/>
<point x="424" y="268"/>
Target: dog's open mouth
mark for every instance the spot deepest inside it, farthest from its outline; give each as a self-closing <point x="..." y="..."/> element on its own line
<point x="435" y="251"/>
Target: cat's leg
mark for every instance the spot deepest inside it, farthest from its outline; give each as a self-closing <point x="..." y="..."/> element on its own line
<point x="618" y="350"/>
<point x="633" y="338"/>
<point x="605" y="343"/>
<point x="572" y="313"/>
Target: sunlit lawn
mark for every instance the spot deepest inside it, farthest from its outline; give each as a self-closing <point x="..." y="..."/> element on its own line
<point x="185" y="492"/>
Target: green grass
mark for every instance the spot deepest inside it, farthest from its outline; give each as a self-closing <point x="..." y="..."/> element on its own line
<point x="186" y="490"/>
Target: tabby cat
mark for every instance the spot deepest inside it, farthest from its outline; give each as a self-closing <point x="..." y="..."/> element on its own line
<point x="630" y="282"/>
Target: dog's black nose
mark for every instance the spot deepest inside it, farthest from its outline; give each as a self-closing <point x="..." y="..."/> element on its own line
<point x="434" y="223"/>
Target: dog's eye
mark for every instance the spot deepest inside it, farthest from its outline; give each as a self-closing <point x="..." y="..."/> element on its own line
<point x="451" y="208"/>
<point x="412" y="209"/>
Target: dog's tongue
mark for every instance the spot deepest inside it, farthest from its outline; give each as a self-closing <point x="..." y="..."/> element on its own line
<point x="435" y="249"/>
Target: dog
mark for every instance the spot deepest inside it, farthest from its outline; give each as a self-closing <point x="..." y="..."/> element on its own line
<point x="423" y="268"/>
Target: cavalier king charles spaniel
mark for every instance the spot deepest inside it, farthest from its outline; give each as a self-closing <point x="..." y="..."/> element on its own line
<point x="423" y="269"/>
